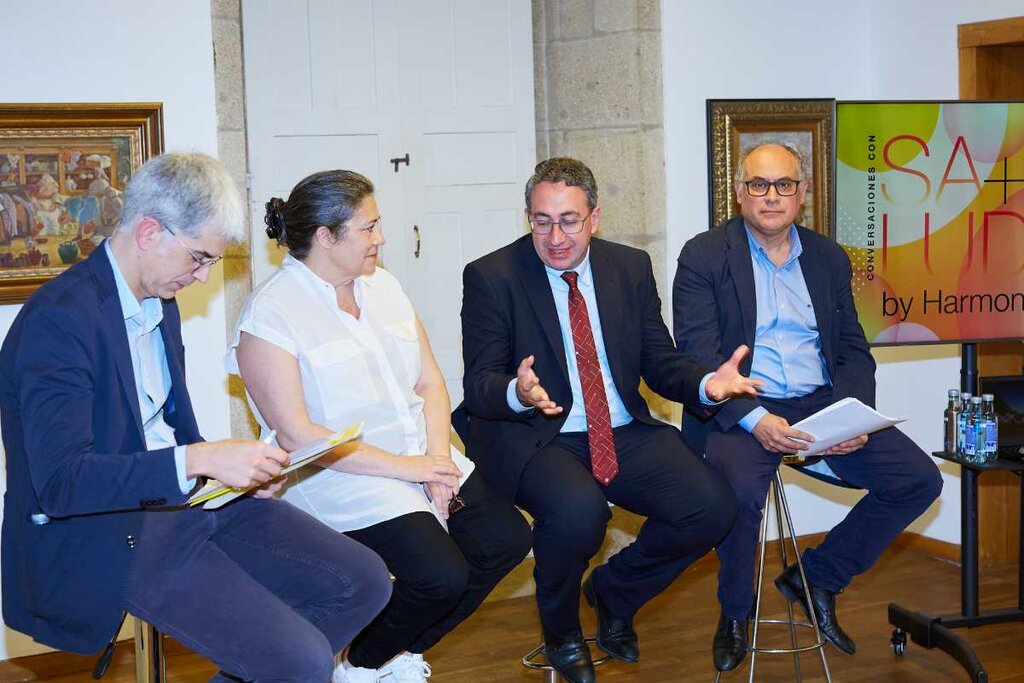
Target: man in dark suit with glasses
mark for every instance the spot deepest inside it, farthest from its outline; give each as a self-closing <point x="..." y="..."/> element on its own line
<point x="559" y="327"/>
<point x="784" y="291"/>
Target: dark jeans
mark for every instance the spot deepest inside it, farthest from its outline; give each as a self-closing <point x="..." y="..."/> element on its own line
<point x="689" y="508"/>
<point x="900" y="479"/>
<point x="440" y="578"/>
<point x="259" y="587"/>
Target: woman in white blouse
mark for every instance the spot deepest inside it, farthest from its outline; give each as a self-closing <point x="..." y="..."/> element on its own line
<point x="330" y="340"/>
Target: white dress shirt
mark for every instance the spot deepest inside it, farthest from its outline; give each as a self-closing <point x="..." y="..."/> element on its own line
<point x="149" y="366"/>
<point x="352" y="370"/>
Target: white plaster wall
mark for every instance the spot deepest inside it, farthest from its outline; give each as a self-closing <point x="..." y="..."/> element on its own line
<point x="871" y="49"/>
<point x="129" y="51"/>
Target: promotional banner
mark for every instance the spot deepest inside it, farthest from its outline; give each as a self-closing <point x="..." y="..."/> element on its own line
<point x="930" y="209"/>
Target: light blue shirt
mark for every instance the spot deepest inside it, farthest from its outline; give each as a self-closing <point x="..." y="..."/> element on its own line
<point x="149" y="365"/>
<point x="787" y="345"/>
<point x="576" y="421"/>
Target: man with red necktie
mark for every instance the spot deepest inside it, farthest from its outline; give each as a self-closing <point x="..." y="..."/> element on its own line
<point x="558" y="330"/>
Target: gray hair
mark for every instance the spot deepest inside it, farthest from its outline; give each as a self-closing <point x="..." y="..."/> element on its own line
<point x="738" y="178"/>
<point x="572" y="172"/>
<point x="187" y="192"/>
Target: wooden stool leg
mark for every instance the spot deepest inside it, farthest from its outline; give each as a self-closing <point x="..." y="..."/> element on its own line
<point x="149" y="654"/>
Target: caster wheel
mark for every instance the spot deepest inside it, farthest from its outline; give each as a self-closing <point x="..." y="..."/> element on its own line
<point x="898" y="642"/>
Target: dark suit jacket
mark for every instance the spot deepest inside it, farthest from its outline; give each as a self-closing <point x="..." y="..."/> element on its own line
<point x="508" y="313"/>
<point x="715" y="310"/>
<point x="76" y="452"/>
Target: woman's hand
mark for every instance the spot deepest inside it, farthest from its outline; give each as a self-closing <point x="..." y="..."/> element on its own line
<point x="430" y="469"/>
<point x="440" y="495"/>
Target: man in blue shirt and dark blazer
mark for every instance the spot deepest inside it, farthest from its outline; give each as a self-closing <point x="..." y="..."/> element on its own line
<point x="103" y="449"/>
<point x="763" y="281"/>
<point x="558" y="329"/>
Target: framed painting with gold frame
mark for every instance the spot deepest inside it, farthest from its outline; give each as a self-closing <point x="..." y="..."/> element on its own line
<point x="734" y="126"/>
<point x="63" y="170"/>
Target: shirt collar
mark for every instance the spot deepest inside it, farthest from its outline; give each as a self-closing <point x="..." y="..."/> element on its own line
<point x="795" y="247"/>
<point x="582" y="270"/>
<point x="304" y="273"/>
<point x="148" y="313"/>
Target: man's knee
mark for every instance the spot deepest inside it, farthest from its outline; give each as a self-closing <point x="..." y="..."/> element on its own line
<point x="306" y="659"/>
<point x="578" y="526"/>
<point x="364" y="577"/>
<point x="715" y="509"/>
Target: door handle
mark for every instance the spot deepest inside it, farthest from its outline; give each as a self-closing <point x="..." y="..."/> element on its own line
<point x="416" y="232"/>
<point x="400" y="160"/>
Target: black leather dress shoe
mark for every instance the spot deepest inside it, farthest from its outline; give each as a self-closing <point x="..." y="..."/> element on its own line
<point x="615" y="635"/>
<point x="570" y="656"/>
<point x="730" y="645"/>
<point x="791" y="586"/>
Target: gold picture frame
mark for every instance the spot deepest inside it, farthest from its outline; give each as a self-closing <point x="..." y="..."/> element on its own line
<point x="808" y="125"/>
<point x="63" y="170"/>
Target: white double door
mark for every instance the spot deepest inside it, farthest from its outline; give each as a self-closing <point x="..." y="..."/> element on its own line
<point x="354" y="84"/>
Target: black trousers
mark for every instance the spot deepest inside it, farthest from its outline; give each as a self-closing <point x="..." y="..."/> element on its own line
<point x="689" y="508"/>
<point x="440" y="577"/>
<point x="900" y="479"/>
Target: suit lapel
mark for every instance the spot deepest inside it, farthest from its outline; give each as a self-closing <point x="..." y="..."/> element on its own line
<point x="609" y="294"/>
<point x="178" y="411"/>
<point x="538" y="292"/>
<point x="742" y="271"/>
<point x="114" y="329"/>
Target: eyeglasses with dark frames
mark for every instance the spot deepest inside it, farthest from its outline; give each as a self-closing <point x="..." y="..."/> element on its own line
<point x="201" y="261"/>
<point x="784" y="187"/>
<point x="570" y="226"/>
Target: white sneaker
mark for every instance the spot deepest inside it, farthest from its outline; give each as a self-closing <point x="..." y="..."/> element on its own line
<point x="354" y="675"/>
<point x="405" y="668"/>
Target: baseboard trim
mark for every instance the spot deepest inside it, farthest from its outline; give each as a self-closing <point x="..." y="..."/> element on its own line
<point x="53" y="664"/>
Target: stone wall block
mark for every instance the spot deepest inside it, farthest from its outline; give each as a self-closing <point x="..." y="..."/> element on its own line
<point x="595" y="82"/>
<point x="576" y="18"/>
<point x="615" y="157"/>
<point x="650" y="77"/>
<point x="615" y="15"/>
<point x="230" y="88"/>
<point x="648" y="15"/>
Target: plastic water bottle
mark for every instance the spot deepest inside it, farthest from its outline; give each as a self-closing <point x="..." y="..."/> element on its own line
<point x="973" y="428"/>
<point x="951" y="423"/>
<point x="965" y="407"/>
<point x="991" y="422"/>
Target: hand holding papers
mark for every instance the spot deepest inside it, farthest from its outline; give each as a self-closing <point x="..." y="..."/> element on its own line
<point x="215" y="494"/>
<point x="840" y="421"/>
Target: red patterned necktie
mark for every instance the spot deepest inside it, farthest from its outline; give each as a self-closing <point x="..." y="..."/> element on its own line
<point x="603" y="462"/>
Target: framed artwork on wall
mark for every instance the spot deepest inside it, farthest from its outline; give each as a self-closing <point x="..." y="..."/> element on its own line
<point x="808" y="126"/>
<point x="63" y="171"/>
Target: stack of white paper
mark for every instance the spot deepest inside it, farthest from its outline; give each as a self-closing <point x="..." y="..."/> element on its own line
<point x="840" y="421"/>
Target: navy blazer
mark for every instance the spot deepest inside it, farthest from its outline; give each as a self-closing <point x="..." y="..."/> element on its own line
<point x="76" y="453"/>
<point x="715" y="310"/>
<point x="508" y="313"/>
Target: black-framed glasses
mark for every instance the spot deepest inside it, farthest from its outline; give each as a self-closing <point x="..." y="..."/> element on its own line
<point x="455" y="504"/>
<point x="570" y="226"/>
<point x="784" y="187"/>
<point x="201" y="261"/>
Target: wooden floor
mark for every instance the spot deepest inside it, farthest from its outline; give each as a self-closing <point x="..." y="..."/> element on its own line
<point x="676" y="630"/>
